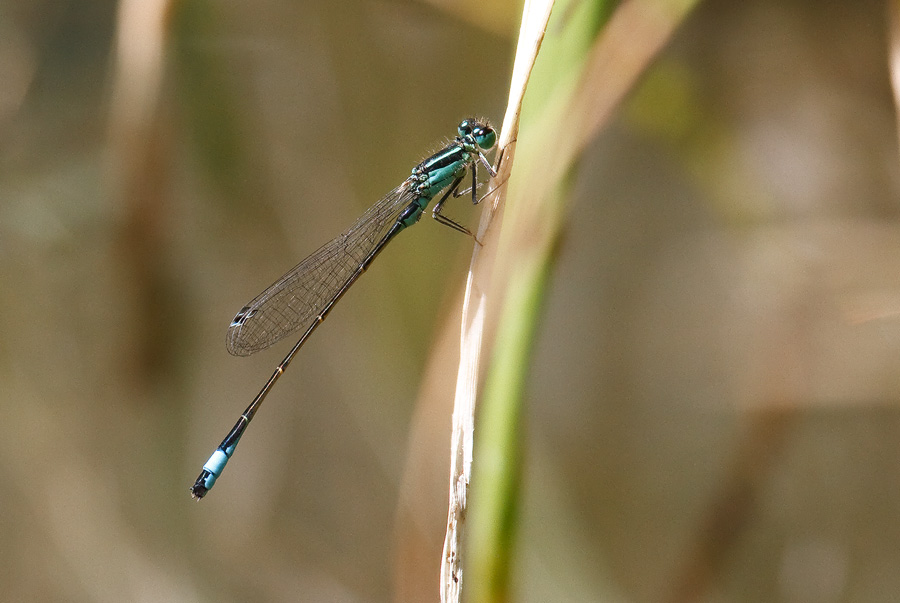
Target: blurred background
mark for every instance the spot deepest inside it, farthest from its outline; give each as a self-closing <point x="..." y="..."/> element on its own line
<point x="713" y="406"/>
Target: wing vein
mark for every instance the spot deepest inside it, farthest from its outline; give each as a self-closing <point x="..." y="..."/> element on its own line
<point x="295" y="299"/>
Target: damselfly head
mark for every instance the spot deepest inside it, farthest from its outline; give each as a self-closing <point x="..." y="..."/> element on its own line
<point x="479" y="131"/>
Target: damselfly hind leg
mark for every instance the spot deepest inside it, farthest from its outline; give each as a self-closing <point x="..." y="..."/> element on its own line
<point x="442" y="219"/>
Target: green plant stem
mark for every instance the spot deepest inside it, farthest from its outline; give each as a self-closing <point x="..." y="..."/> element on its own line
<point x="586" y="78"/>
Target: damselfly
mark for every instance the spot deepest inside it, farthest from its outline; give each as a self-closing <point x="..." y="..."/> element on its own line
<point x="302" y="298"/>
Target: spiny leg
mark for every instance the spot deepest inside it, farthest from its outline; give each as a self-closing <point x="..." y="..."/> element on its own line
<point x="442" y="219"/>
<point x="475" y="184"/>
<point x="487" y="164"/>
<point x="454" y="190"/>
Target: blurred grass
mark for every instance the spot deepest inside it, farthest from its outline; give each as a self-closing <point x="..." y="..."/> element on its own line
<point x="712" y="405"/>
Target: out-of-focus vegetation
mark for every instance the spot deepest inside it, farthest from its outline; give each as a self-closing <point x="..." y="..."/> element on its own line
<point x="713" y="408"/>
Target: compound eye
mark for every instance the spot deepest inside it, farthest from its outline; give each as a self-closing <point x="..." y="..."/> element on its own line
<point x="485" y="137"/>
<point x="465" y="127"/>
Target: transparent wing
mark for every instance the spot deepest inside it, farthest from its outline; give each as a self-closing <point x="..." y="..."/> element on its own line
<point x="295" y="299"/>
